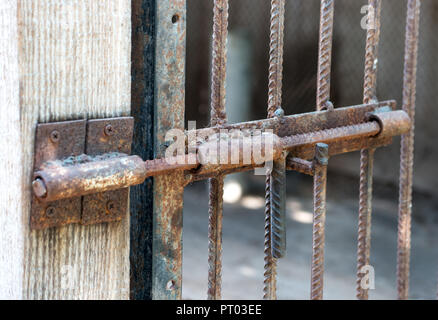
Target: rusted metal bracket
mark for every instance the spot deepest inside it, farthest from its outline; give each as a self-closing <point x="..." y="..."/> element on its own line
<point x="68" y="144"/>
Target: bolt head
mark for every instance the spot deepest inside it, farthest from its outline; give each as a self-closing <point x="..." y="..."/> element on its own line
<point x="50" y="212"/>
<point x="55" y="136"/>
<point x="109" y="130"/>
<point x="170" y="285"/>
<point x="111" y="207"/>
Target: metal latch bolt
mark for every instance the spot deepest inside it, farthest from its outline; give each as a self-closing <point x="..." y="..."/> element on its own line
<point x="67" y="174"/>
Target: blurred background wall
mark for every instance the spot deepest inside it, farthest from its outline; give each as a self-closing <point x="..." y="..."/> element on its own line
<point x="248" y="65"/>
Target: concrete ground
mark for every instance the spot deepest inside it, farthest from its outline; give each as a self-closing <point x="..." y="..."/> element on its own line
<point x="243" y="232"/>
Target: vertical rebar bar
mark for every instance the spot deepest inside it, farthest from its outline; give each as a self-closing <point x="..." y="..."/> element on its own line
<point x="407" y="149"/>
<point x="218" y="118"/>
<point x="364" y="224"/>
<point x="215" y="238"/>
<point x="278" y="207"/>
<point x="367" y="155"/>
<point x="275" y="180"/>
<point x="321" y="150"/>
<point x="319" y="202"/>
<point x="325" y="54"/>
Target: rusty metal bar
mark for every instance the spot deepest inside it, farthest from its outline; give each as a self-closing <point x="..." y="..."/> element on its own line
<point x="218" y="118"/>
<point x="364" y="224"/>
<point x="275" y="202"/>
<point x="321" y="150"/>
<point x="300" y="165"/>
<point x="79" y="176"/>
<point x="88" y="177"/>
<point x="407" y="149"/>
<point x="325" y="55"/>
<point x="319" y="202"/>
<point x="278" y="207"/>
<point x="169" y="104"/>
<point x="304" y="122"/>
<point x="367" y="155"/>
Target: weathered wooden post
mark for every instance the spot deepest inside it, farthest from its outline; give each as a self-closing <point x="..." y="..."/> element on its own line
<point x="59" y="60"/>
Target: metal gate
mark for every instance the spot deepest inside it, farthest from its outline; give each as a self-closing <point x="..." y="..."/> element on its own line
<point x="341" y="129"/>
<point x="302" y="142"/>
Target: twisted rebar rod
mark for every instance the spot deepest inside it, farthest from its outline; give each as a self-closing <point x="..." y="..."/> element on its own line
<point x="319" y="201"/>
<point x="275" y="179"/>
<point x="367" y="155"/>
<point x="325" y="54"/>
<point x="218" y="118"/>
<point x="407" y="149"/>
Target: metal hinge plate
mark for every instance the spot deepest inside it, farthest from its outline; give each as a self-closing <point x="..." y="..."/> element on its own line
<point x="65" y="141"/>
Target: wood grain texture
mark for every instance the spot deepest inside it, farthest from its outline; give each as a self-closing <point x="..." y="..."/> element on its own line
<point x="11" y="226"/>
<point x="74" y="63"/>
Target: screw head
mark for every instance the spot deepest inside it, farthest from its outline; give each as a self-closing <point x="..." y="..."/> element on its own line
<point x="170" y="285"/>
<point x="55" y="136"/>
<point x="50" y="212"/>
<point x="111" y="207"/>
<point x="109" y="130"/>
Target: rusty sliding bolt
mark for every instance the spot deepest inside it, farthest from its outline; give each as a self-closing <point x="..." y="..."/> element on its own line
<point x="367" y="155"/>
<point x="407" y="150"/>
<point x="319" y="202"/>
<point x="93" y="176"/>
<point x="218" y="118"/>
<point x="100" y="174"/>
<point x="325" y="55"/>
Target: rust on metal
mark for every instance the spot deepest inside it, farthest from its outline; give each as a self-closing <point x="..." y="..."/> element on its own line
<point x="392" y="123"/>
<point x="106" y="136"/>
<point x="278" y="207"/>
<point x="275" y="200"/>
<point x="63" y="173"/>
<point x="364" y="224"/>
<point x="56" y="141"/>
<point x="83" y="168"/>
<point x="219" y="63"/>
<point x="300" y="165"/>
<point x="169" y="102"/>
<point x="215" y="237"/>
<point x="276" y="41"/>
<point x="305" y="122"/>
<point x="407" y="149"/>
<point x="85" y="175"/>
<point x="371" y="50"/>
<point x="318" y="239"/>
<point x="367" y="155"/>
<point x="218" y="118"/>
<point x="325" y="55"/>
<point x="164" y="166"/>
